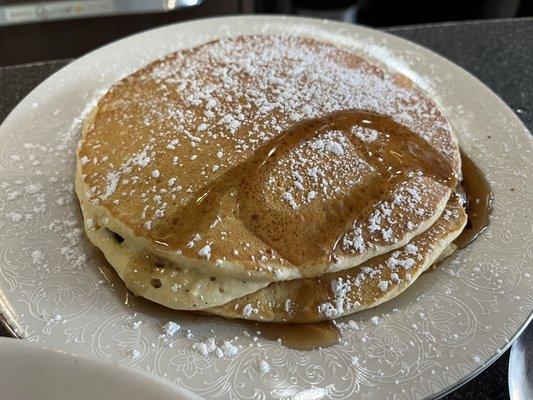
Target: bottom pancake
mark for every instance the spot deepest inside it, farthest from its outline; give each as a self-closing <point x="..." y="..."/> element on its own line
<point x="365" y="286"/>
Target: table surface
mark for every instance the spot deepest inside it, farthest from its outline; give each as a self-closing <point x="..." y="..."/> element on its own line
<point x="498" y="52"/>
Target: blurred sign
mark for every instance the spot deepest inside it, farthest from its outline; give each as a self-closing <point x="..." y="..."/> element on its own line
<point x="61" y="10"/>
<point x="56" y="10"/>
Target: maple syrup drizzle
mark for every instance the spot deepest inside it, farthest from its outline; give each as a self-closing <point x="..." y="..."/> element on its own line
<point x="302" y="336"/>
<point x="295" y="236"/>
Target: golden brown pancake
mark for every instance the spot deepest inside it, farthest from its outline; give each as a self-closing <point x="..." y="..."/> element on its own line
<point x="200" y="159"/>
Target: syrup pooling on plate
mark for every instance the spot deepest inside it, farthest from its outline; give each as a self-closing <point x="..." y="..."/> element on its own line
<point x="389" y="154"/>
<point x="302" y="336"/>
<point x="478" y="195"/>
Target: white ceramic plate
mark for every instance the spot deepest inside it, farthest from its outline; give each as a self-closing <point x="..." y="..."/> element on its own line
<point x="28" y="371"/>
<point x="55" y="289"/>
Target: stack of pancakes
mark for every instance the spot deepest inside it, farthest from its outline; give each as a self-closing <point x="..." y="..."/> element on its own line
<point x="269" y="178"/>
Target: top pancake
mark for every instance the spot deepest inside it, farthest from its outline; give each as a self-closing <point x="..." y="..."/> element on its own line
<point x="180" y="154"/>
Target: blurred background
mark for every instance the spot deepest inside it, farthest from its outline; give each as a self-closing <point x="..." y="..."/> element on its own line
<point x="32" y="31"/>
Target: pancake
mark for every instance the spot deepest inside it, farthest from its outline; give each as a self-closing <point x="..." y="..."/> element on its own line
<point x="365" y="286"/>
<point x="198" y="160"/>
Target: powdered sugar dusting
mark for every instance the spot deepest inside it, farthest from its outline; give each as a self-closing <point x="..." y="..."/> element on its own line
<point x="244" y="92"/>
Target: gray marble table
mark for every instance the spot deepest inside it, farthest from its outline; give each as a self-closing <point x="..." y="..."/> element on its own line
<point x="498" y="52"/>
